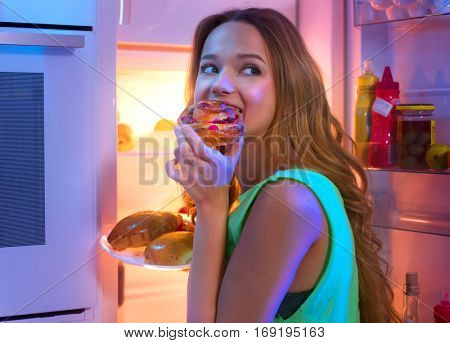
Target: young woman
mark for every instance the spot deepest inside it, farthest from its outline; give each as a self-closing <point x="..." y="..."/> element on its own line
<point x="282" y="229"/>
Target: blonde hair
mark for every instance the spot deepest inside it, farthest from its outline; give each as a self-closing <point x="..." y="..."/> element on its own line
<point x="302" y="110"/>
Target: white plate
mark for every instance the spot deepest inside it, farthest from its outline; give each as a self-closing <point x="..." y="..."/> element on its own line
<point x="135" y="256"/>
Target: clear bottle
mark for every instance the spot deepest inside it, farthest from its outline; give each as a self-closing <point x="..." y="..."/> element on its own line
<point x="411" y="294"/>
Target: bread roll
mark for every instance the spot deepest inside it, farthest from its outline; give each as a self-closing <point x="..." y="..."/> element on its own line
<point x="139" y="229"/>
<point x="217" y="123"/>
<point x="170" y="249"/>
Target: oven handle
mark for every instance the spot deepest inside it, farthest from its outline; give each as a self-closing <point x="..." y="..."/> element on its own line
<point x="42" y="39"/>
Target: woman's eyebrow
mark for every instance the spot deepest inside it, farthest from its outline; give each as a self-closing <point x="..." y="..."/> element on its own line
<point x="240" y="56"/>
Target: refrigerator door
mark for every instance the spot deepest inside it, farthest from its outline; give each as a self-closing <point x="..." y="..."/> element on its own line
<point x="48" y="180"/>
<point x="48" y="12"/>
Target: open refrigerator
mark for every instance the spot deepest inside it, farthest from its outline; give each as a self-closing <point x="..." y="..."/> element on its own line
<point x="411" y="212"/>
<point x="411" y="207"/>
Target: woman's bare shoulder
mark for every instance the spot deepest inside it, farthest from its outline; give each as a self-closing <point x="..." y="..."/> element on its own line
<point x="293" y="199"/>
<point x="284" y="222"/>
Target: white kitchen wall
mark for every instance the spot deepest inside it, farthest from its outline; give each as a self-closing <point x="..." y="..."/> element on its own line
<point x="321" y="24"/>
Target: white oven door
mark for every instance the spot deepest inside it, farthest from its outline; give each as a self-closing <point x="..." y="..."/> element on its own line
<point x="47" y="171"/>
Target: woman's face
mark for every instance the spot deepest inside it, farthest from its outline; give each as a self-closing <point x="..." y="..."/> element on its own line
<point x="234" y="68"/>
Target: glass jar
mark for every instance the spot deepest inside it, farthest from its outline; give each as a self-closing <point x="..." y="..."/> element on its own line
<point x="416" y="131"/>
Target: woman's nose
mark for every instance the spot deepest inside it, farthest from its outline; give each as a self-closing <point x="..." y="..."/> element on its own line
<point x="222" y="84"/>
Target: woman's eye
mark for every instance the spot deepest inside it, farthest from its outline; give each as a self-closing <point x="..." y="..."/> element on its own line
<point x="251" y="70"/>
<point x="208" y="68"/>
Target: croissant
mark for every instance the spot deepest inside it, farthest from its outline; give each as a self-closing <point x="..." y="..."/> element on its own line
<point x="139" y="229"/>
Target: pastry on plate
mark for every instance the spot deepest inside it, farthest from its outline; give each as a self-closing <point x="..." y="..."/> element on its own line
<point x="139" y="229"/>
<point x="170" y="249"/>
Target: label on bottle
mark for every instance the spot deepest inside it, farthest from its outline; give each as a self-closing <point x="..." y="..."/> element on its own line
<point x="382" y="107"/>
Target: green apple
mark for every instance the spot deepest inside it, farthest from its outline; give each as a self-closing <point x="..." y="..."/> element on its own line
<point x="436" y="156"/>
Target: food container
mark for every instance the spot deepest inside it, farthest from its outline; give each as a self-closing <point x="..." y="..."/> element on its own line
<point x="416" y="131"/>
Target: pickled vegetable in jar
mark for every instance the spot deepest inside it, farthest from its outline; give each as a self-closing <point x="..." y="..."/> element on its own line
<point x="416" y="131"/>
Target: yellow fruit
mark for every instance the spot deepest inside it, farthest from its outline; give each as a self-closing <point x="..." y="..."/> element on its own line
<point x="126" y="139"/>
<point x="165" y="125"/>
<point x="436" y="156"/>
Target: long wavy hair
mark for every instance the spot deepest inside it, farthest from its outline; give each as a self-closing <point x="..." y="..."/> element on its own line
<point x="302" y="110"/>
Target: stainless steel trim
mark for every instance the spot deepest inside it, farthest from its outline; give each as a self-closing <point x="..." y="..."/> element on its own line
<point x="125" y="12"/>
<point x="42" y="39"/>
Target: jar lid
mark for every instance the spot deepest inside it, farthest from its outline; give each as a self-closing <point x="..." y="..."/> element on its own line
<point x="415" y="107"/>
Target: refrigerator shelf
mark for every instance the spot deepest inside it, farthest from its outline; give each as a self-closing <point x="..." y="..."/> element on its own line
<point x="400" y="170"/>
<point x="410" y="201"/>
<point x="135" y="256"/>
<point x="366" y="14"/>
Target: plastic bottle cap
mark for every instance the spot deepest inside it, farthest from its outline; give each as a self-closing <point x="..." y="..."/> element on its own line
<point x="412" y="278"/>
<point x="415" y="107"/>
<point x="367" y="78"/>
<point x="412" y="284"/>
<point x="387" y="82"/>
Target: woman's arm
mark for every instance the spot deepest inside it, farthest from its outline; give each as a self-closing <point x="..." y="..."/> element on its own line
<point x="284" y="222"/>
<point x="205" y="174"/>
<point x="207" y="266"/>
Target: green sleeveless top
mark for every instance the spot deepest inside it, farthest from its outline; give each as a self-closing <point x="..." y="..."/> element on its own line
<point x="334" y="298"/>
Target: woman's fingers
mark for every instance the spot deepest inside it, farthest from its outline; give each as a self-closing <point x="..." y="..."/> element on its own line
<point x="191" y="165"/>
<point x="184" y="152"/>
<point x="196" y="143"/>
<point x="172" y="171"/>
<point x="236" y="149"/>
<point x="202" y="164"/>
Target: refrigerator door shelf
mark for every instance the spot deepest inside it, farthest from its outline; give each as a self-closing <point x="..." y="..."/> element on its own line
<point x="366" y="14"/>
<point x="410" y="201"/>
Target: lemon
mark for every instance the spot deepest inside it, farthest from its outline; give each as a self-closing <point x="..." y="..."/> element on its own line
<point x="126" y="139"/>
<point x="164" y="125"/>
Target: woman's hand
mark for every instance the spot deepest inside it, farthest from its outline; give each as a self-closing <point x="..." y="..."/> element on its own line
<point x="203" y="172"/>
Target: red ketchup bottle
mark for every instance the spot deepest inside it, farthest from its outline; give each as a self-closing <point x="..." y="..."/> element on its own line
<point x="383" y="150"/>
<point x="442" y="310"/>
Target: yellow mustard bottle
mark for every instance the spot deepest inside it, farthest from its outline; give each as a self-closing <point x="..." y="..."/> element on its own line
<point x="363" y="111"/>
